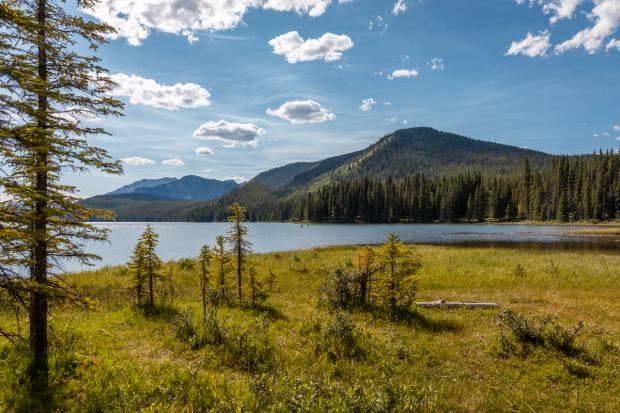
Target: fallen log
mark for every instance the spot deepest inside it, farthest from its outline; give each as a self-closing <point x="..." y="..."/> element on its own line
<point x="455" y="304"/>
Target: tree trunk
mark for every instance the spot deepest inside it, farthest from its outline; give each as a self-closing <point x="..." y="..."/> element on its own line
<point x="239" y="263"/>
<point x="38" y="303"/>
<point x="151" y="298"/>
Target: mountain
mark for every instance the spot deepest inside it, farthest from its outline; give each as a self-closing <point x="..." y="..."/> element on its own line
<point x="397" y="155"/>
<point x="136" y="206"/>
<point x="402" y="153"/>
<point x="143" y="183"/>
<point x="190" y="188"/>
<point x="153" y="199"/>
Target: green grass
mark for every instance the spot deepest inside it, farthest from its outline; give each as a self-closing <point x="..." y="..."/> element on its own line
<point x="444" y="360"/>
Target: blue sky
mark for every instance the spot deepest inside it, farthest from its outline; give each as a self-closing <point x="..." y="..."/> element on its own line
<point x="541" y="74"/>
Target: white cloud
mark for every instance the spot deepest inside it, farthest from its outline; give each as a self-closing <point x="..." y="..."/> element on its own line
<point x="302" y="111"/>
<point x="405" y="122"/>
<point x="617" y="128"/>
<point x="392" y="120"/>
<point x="613" y="43"/>
<point x="173" y="162"/>
<point x="311" y="7"/>
<point x="295" y="49"/>
<point x="238" y="179"/>
<point x="135" y="19"/>
<point x="402" y="73"/>
<point x="366" y="105"/>
<point x="399" y="7"/>
<point x="148" y="92"/>
<point x="137" y="161"/>
<point x="605" y="133"/>
<point x="203" y="150"/>
<point x="532" y="46"/>
<point x="560" y="9"/>
<point x="436" y="64"/>
<point x="232" y="134"/>
<point x="606" y="18"/>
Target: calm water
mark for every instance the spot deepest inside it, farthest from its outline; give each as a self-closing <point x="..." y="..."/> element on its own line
<point x="181" y="240"/>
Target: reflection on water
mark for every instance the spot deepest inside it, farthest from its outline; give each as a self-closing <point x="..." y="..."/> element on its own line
<point x="181" y="240"/>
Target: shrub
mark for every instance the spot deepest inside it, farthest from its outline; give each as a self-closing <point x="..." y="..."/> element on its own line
<point x="546" y="333"/>
<point x="339" y="338"/>
<point x="338" y="290"/>
<point x="251" y="349"/>
<point x="184" y="329"/>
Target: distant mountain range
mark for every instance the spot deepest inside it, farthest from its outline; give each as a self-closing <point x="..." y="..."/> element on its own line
<point x="142" y="199"/>
<point x="397" y="155"/>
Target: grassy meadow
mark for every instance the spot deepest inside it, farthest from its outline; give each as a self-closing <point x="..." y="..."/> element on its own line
<point x="294" y="355"/>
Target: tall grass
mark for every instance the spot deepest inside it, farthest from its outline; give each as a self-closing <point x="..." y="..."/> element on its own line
<point x="294" y="355"/>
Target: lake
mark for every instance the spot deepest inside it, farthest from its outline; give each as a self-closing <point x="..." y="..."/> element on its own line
<point x="183" y="240"/>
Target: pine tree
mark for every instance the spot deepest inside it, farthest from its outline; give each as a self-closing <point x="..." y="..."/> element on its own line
<point x="205" y="261"/>
<point x="46" y="90"/>
<point x="221" y="258"/>
<point x="367" y="265"/>
<point x="240" y="247"/>
<point x="137" y="265"/>
<point x="399" y="267"/>
<point x="148" y="242"/>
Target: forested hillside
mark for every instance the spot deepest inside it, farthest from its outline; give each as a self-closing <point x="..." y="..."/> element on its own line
<point x="418" y="175"/>
<point x="573" y="188"/>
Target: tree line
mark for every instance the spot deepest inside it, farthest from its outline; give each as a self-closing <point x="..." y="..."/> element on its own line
<point x="584" y="187"/>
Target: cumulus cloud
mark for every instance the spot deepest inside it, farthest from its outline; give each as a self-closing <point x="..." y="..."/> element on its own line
<point x="148" y="92"/>
<point x="294" y="48"/>
<point x="313" y="8"/>
<point x="402" y="73"/>
<point x="137" y="161"/>
<point x="606" y="18"/>
<point x="613" y="43"/>
<point x="366" y="105"/>
<point x="532" y="45"/>
<point x="399" y="7"/>
<point x="203" y="150"/>
<point x="135" y="19"/>
<point x="230" y="133"/>
<point x="173" y="162"/>
<point x="436" y="64"/>
<point x="617" y="128"/>
<point x="302" y="111"/>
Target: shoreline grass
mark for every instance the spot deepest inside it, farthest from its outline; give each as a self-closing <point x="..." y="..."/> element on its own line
<point x="116" y="359"/>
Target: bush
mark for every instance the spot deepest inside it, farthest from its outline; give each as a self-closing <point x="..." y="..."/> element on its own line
<point x="251" y="349"/>
<point x="184" y="329"/>
<point x="338" y="290"/>
<point x="545" y="333"/>
<point x="339" y="338"/>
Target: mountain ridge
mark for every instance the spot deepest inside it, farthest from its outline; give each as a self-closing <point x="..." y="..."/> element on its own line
<point x="395" y="155"/>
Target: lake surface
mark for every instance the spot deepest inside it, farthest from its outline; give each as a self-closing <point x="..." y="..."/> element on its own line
<point x="183" y="240"/>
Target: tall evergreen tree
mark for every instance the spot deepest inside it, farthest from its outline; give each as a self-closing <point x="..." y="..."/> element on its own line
<point x="240" y="247"/>
<point x="46" y="90"/>
<point x="205" y="260"/>
<point x="221" y="258"/>
<point x="148" y="242"/>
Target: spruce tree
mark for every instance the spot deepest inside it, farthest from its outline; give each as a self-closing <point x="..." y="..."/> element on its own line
<point x="47" y="88"/>
<point x="205" y="261"/>
<point x="221" y="258"/>
<point x="240" y="247"/>
<point x="399" y="268"/>
<point x="148" y="242"/>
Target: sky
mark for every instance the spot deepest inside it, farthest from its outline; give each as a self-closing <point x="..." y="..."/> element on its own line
<point x="226" y="89"/>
